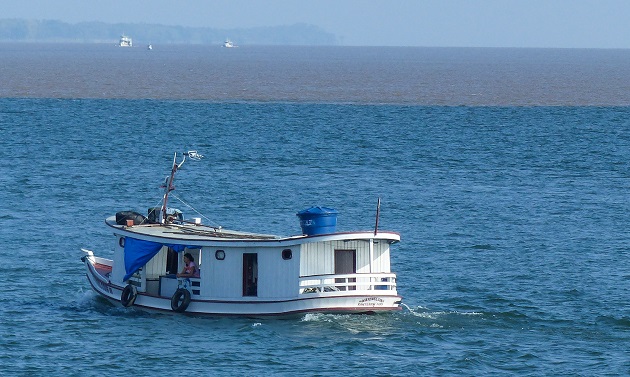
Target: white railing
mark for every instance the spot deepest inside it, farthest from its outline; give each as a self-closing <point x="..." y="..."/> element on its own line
<point x="348" y="282"/>
<point x="136" y="279"/>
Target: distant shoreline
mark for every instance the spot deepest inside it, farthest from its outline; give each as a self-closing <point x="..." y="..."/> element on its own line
<point x="51" y="31"/>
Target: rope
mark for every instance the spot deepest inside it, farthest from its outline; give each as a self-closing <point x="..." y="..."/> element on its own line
<point x="197" y="212"/>
<point x="154" y="206"/>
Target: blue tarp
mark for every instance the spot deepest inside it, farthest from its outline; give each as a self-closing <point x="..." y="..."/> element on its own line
<point x="138" y="253"/>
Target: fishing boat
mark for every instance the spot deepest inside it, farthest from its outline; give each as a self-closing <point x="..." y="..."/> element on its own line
<point x="242" y="273"/>
<point x="228" y="43"/>
<point x="125" y="41"/>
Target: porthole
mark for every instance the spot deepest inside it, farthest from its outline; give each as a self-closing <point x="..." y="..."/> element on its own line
<point x="121" y="241"/>
<point x="219" y="254"/>
<point x="287" y="254"/>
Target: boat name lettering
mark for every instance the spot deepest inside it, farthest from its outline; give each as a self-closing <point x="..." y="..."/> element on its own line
<point x="104" y="286"/>
<point x="371" y="301"/>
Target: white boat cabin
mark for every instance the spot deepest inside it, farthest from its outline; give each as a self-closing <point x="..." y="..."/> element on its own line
<point x="272" y="268"/>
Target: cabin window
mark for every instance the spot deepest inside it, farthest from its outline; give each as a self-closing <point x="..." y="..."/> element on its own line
<point x="287" y="254"/>
<point x="250" y="274"/>
<point x="219" y="254"/>
<point x="345" y="263"/>
<point x="121" y="241"/>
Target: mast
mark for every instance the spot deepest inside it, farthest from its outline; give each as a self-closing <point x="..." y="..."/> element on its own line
<point x="168" y="187"/>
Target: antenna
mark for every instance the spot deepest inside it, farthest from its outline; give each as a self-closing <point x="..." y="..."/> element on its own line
<point x="378" y="211"/>
<point x="193" y="155"/>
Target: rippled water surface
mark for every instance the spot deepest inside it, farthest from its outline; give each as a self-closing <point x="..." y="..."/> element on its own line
<point x="514" y="252"/>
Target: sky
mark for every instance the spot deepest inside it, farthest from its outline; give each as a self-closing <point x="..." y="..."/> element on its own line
<point x="444" y="23"/>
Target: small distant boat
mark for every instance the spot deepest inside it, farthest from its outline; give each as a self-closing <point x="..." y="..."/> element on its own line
<point x="150" y="47"/>
<point x="228" y="43"/>
<point x="240" y="273"/>
<point x="125" y="41"/>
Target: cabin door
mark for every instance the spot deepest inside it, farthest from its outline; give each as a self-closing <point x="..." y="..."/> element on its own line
<point x="172" y="259"/>
<point x="345" y="263"/>
<point x="250" y="274"/>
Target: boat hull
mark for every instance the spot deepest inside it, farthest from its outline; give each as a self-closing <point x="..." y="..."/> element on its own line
<point x="329" y="302"/>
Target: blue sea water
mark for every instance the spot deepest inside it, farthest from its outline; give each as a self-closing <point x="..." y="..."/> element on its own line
<point x="513" y="219"/>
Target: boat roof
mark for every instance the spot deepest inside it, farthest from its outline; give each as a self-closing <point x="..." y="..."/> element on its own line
<point x="204" y="235"/>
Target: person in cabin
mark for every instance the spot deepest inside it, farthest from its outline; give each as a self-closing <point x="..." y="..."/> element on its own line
<point x="190" y="270"/>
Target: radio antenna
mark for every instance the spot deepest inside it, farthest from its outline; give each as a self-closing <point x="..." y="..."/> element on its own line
<point x="378" y="211"/>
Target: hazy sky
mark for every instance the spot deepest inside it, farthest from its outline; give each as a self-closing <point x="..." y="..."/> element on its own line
<point x="469" y="23"/>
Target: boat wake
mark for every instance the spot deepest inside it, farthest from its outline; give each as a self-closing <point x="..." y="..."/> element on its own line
<point x="91" y="302"/>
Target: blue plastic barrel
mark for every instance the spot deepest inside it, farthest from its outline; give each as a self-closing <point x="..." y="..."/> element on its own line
<point x="318" y="220"/>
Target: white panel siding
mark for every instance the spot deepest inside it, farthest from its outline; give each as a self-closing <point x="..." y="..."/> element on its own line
<point x="381" y="257"/>
<point x="222" y="278"/>
<point x="157" y="265"/>
<point x="278" y="278"/>
<point x="363" y="256"/>
<point x="118" y="270"/>
<point x="319" y="258"/>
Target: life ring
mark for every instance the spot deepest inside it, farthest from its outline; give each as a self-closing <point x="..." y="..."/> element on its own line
<point x="128" y="295"/>
<point x="180" y="300"/>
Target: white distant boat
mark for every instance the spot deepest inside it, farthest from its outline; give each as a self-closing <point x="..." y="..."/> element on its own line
<point x="320" y="270"/>
<point x="125" y="41"/>
<point x="150" y="47"/>
<point x="228" y="43"/>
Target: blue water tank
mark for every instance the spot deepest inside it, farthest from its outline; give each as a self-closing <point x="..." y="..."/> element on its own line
<point x="318" y="220"/>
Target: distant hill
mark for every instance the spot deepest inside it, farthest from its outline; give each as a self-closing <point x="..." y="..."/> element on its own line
<point x="18" y="30"/>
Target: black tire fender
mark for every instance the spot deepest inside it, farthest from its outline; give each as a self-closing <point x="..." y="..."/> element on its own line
<point x="128" y="295"/>
<point x="180" y="300"/>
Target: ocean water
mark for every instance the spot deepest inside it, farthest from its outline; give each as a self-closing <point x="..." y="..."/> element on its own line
<point x="513" y="212"/>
